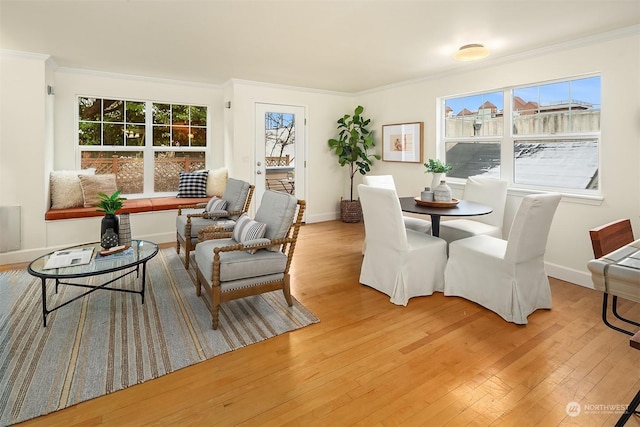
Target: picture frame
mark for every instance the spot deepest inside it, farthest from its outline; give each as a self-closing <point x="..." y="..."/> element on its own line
<point x="402" y="142"/>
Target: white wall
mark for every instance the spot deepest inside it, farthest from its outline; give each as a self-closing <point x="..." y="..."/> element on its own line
<point x="24" y="140"/>
<point x="618" y="61"/>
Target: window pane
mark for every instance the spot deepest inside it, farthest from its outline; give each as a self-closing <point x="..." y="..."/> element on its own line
<point x="199" y="137"/>
<point x="135" y="112"/>
<point x="565" y="107"/>
<point x="474" y="115"/>
<point x="113" y="134"/>
<point x="113" y="110"/>
<point x="198" y="116"/>
<point x="169" y="164"/>
<point x="127" y="166"/>
<point x="161" y="114"/>
<point x="89" y="133"/>
<point x="472" y="158"/>
<point x="557" y="163"/>
<point x="180" y="115"/>
<point x="180" y="136"/>
<point x="134" y="135"/>
<point x="161" y="136"/>
<point x="90" y="109"/>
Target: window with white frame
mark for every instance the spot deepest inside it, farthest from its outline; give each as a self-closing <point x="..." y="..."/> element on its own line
<point x="113" y="138"/>
<point x="551" y="141"/>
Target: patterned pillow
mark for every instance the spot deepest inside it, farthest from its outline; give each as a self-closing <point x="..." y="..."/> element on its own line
<point x="247" y="229"/>
<point x="216" y="204"/>
<point x="193" y="184"/>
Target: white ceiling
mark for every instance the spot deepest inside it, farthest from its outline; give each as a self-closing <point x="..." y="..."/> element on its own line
<point x="345" y="46"/>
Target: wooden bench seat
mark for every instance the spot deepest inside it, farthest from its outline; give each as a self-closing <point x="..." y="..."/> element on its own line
<point x="130" y="206"/>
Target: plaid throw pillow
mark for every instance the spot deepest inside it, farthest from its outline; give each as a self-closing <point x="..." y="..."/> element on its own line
<point x="193" y="184"/>
<point x="247" y="229"/>
<point x="216" y="204"/>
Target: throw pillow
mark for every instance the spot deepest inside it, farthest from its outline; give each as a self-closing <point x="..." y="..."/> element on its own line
<point x="215" y="204"/>
<point x="247" y="230"/>
<point x="217" y="181"/>
<point x="65" y="188"/>
<point x="193" y="184"/>
<point x="94" y="184"/>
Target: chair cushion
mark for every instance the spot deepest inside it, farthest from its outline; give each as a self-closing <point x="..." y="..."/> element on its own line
<point x="238" y="265"/>
<point x="456" y="229"/>
<point x="235" y="193"/>
<point x="198" y="224"/>
<point x="277" y="211"/>
<point x="215" y="204"/>
<point x="193" y="184"/>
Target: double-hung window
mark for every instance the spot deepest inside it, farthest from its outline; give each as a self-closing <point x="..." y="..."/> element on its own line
<point x="542" y="136"/>
<point x="145" y="144"/>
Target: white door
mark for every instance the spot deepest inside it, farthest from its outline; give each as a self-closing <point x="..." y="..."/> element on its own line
<point x="280" y="150"/>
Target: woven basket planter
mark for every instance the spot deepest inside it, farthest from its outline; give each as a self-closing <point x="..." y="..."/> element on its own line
<point x="350" y="210"/>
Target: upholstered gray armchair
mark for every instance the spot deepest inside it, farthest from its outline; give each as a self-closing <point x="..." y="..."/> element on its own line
<point x="254" y="257"/>
<point x="193" y="218"/>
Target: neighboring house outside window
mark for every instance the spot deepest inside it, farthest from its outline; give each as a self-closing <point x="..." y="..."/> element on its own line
<point x="552" y="140"/>
<point x="112" y="137"/>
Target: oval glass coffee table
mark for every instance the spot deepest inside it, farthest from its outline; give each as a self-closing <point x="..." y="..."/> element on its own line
<point x="125" y="262"/>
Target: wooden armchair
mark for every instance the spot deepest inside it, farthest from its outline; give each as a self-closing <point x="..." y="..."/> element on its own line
<point x="234" y="264"/>
<point x="192" y="218"/>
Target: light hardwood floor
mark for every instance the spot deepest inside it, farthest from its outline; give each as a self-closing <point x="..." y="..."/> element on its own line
<point x="438" y="361"/>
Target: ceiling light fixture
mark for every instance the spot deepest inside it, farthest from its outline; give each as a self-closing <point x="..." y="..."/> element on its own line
<point x="471" y="52"/>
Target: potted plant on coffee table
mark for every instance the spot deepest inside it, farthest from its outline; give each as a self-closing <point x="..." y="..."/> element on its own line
<point x="109" y="205"/>
<point x="351" y="146"/>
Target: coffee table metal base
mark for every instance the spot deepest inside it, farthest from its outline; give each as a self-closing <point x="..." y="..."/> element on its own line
<point x="46" y="311"/>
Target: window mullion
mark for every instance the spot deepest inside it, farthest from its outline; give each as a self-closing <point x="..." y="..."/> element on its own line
<point x="148" y="151"/>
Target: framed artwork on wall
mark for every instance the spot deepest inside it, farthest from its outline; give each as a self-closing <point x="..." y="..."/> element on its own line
<point x="402" y="142"/>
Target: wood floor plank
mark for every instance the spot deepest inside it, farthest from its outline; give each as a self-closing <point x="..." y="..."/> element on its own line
<point x="439" y="361"/>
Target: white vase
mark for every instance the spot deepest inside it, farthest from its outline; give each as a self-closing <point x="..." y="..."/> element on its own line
<point x="442" y="193"/>
<point x="437" y="177"/>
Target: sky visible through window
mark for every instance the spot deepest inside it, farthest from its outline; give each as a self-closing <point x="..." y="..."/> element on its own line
<point x="580" y="90"/>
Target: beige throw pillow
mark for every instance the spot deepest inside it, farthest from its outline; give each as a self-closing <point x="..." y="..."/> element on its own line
<point x="65" y="188"/>
<point x="92" y="185"/>
<point x="217" y="181"/>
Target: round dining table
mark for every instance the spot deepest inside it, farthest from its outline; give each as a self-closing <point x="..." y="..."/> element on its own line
<point x="463" y="208"/>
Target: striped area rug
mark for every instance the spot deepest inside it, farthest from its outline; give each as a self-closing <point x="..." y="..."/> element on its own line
<point x="108" y="341"/>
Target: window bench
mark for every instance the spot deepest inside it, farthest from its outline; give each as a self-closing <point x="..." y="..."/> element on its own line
<point x="130" y="206"/>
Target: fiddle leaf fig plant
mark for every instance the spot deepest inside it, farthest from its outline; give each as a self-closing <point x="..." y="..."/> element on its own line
<point x="110" y="204"/>
<point x="352" y="144"/>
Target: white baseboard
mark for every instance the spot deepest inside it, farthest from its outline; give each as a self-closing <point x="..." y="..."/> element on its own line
<point x="577" y="277"/>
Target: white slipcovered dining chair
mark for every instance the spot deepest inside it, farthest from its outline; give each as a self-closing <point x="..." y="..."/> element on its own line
<point x="399" y="262"/>
<point x="487" y="191"/>
<point x="386" y="181"/>
<point x="506" y="276"/>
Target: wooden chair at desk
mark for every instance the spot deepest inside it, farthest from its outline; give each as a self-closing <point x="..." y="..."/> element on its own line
<point x="606" y="239"/>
